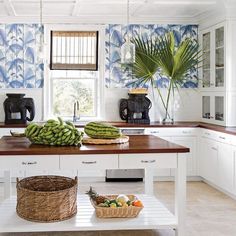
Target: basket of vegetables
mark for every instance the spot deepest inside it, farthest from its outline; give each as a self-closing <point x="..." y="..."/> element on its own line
<point x="115" y="206"/>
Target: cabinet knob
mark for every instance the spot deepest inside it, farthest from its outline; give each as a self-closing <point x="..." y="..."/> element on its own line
<point x="155" y="132"/>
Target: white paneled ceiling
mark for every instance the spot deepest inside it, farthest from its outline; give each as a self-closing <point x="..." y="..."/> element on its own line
<point x="103" y="11"/>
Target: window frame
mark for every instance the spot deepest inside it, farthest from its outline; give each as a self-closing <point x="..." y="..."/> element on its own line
<point x="47" y="91"/>
<point x="51" y="51"/>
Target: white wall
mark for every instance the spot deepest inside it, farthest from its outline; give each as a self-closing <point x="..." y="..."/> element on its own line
<point x="188" y="100"/>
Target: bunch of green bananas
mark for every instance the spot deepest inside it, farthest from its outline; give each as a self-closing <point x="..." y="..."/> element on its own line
<point x="54" y="132"/>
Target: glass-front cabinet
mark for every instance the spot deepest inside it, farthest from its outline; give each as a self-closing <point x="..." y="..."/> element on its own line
<point x="206" y="67"/>
<point x="219" y="57"/>
<point x="213" y="107"/>
<point x="213" y="58"/>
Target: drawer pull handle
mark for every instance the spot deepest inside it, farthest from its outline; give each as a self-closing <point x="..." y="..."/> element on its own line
<point x="151" y="161"/>
<point x="221" y="137"/>
<point x="155" y="132"/>
<point x="89" y="162"/>
<point x="213" y="148"/>
<point x="186" y="132"/>
<point x="29" y="163"/>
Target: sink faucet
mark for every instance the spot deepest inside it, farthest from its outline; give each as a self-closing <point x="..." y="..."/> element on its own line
<point x="76" y="111"/>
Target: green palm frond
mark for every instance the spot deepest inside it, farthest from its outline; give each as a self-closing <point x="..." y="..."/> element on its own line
<point x="144" y="67"/>
<point x="161" y="55"/>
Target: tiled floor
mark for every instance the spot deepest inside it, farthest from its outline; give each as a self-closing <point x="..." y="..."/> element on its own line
<point x="209" y="212"/>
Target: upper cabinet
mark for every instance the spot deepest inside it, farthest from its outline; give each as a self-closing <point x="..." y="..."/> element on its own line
<point x="213" y="64"/>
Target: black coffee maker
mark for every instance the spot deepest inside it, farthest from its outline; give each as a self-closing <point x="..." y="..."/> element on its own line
<point x="16" y="103"/>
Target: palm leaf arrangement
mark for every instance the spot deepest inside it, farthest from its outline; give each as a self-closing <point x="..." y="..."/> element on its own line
<point x="161" y="56"/>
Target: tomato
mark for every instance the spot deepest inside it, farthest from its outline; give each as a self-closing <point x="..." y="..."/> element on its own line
<point x="137" y="203"/>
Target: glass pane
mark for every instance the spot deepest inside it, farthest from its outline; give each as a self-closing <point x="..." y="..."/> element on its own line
<point x="206" y="107"/>
<point x="206" y="60"/>
<point x="219" y="108"/>
<point x="206" y="41"/>
<point x="219" y="37"/>
<point x="206" y="78"/>
<point x="220" y="57"/>
<point x="67" y="91"/>
<point x="219" y="77"/>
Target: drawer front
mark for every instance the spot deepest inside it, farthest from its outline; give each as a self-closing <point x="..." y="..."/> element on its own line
<point x="172" y="131"/>
<point x="224" y="138"/>
<point x="89" y="162"/>
<point x="206" y="133"/>
<point x="217" y="136"/>
<point x="133" y="161"/>
<point x="29" y="162"/>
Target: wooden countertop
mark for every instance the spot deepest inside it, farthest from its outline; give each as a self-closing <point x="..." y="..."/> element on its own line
<point x="137" y="144"/>
<point x="183" y="124"/>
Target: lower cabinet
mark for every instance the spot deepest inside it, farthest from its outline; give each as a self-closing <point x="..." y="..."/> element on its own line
<point x="182" y="136"/>
<point x="217" y="163"/>
<point x="225" y="167"/>
<point x="191" y="143"/>
<point x="208" y="159"/>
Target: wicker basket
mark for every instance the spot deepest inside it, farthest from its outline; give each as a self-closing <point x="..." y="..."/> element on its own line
<point x="46" y="198"/>
<point x="119" y="212"/>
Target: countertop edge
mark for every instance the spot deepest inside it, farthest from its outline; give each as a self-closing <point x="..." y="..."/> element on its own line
<point x="180" y="124"/>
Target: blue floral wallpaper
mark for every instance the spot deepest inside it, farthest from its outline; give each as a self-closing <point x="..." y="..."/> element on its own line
<point x="19" y="65"/>
<point x="117" y="76"/>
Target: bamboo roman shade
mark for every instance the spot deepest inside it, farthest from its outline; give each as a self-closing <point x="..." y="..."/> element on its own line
<point x="74" y="50"/>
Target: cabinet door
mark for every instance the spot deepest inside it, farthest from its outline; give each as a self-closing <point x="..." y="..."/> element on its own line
<point x="225" y="167"/>
<point x="208" y="159"/>
<point x="219" y="57"/>
<point x="191" y="143"/>
<point x="206" y="67"/>
<point x="213" y="107"/>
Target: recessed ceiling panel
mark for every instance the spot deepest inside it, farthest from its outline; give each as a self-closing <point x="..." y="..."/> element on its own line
<point x="162" y="10"/>
<point x="104" y="9"/>
<point x="51" y="8"/>
<point x="3" y="10"/>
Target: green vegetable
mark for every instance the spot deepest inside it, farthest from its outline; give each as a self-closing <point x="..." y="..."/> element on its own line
<point x="54" y="133"/>
<point x="101" y="130"/>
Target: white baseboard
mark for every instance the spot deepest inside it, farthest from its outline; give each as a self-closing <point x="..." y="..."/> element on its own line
<point x="220" y="189"/>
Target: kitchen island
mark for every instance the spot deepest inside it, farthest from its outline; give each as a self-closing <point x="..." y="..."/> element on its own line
<point x="144" y="152"/>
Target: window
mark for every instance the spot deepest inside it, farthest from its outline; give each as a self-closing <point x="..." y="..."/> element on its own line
<point x="72" y="86"/>
<point x="74" y="74"/>
<point x="74" y="50"/>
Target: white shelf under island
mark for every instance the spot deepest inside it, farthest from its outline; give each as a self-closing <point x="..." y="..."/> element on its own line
<point x="141" y="152"/>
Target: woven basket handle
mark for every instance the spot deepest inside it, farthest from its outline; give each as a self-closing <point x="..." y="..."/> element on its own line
<point x="17" y="181"/>
<point x="76" y="179"/>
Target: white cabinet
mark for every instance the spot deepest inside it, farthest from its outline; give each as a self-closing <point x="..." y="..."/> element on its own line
<point x="213" y="65"/>
<point x="183" y="136"/>
<point x="191" y="143"/>
<point x="142" y="161"/>
<point x="208" y="159"/>
<point x="214" y="108"/>
<point x="225" y="167"/>
<point x="213" y="76"/>
<point x="89" y="162"/>
<point x="217" y="159"/>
